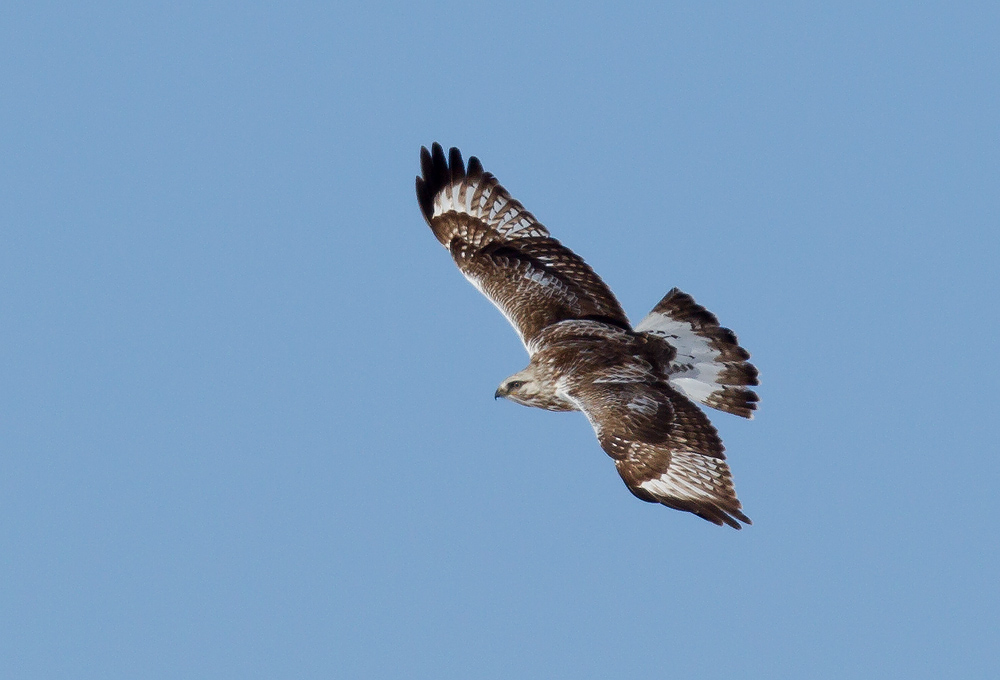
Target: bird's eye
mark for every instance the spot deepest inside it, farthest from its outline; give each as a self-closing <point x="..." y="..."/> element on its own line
<point x="514" y="385"/>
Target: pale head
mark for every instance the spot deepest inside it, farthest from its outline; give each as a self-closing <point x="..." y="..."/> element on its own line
<point x="531" y="388"/>
<point x="522" y="387"/>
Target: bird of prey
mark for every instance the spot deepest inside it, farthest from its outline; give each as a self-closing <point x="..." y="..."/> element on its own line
<point x="636" y="384"/>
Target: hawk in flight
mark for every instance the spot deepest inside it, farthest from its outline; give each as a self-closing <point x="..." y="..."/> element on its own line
<point x="635" y="385"/>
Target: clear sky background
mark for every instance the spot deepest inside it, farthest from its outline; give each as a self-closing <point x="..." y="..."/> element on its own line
<point x="247" y="419"/>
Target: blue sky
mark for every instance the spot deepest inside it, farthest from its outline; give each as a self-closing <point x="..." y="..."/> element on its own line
<point x="247" y="406"/>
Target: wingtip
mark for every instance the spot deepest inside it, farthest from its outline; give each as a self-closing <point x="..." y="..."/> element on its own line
<point x="426" y="161"/>
<point x="726" y="516"/>
<point x="437" y="171"/>
<point x="738" y="517"/>
<point x="474" y="168"/>
<point x="455" y="164"/>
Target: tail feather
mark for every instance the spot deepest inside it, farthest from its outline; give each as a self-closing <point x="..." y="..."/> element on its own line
<point x="710" y="366"/>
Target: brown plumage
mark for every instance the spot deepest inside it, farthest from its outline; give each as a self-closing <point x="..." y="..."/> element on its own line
<point x="634" y="385"/>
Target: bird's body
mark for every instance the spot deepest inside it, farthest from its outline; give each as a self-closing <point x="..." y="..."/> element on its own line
<point x="635" y="385"/>
<point x="573" y="352"/>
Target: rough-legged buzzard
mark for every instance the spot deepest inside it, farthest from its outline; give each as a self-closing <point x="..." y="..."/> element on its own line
<point x="635" y="385"/>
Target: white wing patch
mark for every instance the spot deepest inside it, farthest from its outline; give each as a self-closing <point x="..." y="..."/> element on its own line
<point x="494" y="206"/>
<point x="691" y="476"/>
<point x="457" y="197"/>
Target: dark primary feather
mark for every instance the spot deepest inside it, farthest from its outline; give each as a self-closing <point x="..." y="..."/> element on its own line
<point x="436" y="175"/>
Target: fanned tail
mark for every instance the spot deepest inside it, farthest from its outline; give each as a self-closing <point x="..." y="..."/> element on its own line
<point x="710" y="367"/>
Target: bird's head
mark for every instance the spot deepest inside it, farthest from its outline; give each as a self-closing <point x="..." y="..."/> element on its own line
<point x="521" y="387"/>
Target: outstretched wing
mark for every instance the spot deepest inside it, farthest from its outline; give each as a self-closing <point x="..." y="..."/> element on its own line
<point x="505" y="252"/>
<point x="664" y="447"/>
<point x="710" y="366"/>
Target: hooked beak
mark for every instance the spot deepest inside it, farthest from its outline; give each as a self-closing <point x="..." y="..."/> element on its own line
<point x="499" y="393"/>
